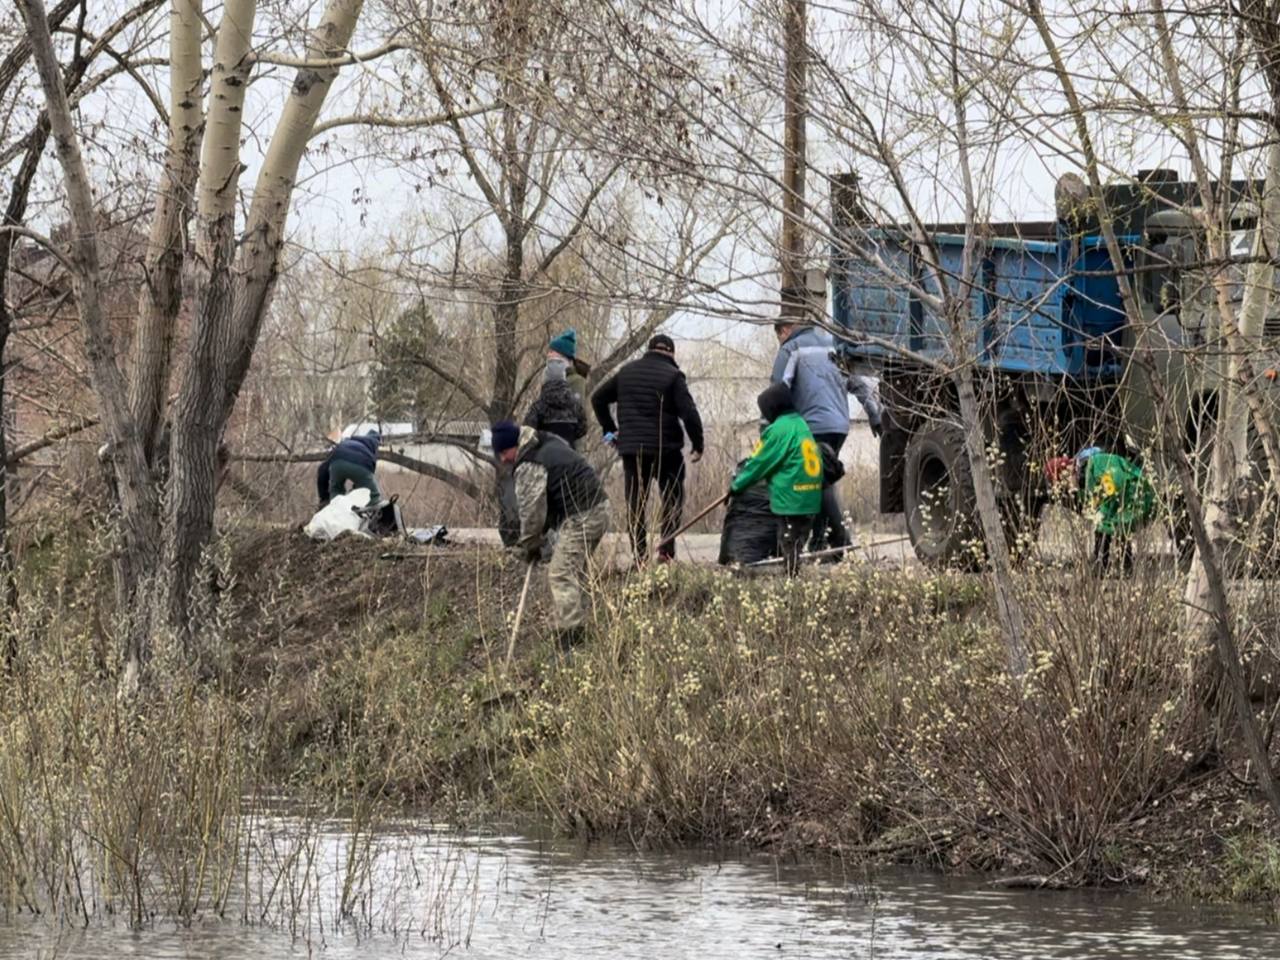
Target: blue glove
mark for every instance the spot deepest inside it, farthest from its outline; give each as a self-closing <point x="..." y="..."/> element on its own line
<point x="611" y="438"/>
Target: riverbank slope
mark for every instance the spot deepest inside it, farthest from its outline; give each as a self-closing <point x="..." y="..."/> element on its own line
<point x="860" y="711"/>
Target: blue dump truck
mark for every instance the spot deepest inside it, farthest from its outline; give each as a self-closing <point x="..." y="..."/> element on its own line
<point x="1040" y="320"/>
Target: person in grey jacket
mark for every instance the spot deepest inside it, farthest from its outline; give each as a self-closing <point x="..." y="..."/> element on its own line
<point x="820" y="392"/>
<point x="866" y="390"/>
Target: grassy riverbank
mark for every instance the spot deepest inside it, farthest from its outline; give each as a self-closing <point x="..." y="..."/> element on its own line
<point x="859" y="711"/>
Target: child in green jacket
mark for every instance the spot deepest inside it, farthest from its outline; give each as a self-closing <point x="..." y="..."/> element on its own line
<point x="788" y="457"/>
<point x="1114" y="493"/>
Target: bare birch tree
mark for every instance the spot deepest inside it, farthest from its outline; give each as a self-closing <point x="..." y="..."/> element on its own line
<point x="236" y="271"/>
<point x="28" y="150"/>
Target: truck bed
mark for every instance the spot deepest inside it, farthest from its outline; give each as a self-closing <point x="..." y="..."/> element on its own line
<point x="1034" y="308"/>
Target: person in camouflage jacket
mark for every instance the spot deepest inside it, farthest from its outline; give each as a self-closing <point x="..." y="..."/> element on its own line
<point x="558" y="492"/>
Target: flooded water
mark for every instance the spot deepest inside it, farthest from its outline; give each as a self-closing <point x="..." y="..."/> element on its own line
<point x="435" y="895"/>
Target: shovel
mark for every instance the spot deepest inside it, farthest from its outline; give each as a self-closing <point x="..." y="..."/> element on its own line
<point x="685" y="529"/>
<point x="515" y="629"/>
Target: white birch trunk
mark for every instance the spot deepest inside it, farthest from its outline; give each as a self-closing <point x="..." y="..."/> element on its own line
<point x="197" y="420"/>
<point x="1233" y="430"/>
<point x="160" y="300"/>
<point x="264" y="230"/>
<point x="1231" y="439"/>
<point x="137" y="496"/>
<point x="234" y="301"/>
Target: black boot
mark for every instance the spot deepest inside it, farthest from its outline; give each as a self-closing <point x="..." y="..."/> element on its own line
<point x="566" y="640"/>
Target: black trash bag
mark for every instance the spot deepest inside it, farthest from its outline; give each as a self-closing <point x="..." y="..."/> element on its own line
<point x="750" y="532"/>
<point x="383" y="518"/>
<point x="508" y="509"/>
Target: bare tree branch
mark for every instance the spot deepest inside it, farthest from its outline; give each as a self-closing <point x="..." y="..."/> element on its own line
<point x="21" y="51"/>
<point x="579" y="221"/>
<point x="326" y="63"/>
<point x="389" y="456"/>
<point x="42" y="240"/>
<point x="397" y="123"/>
<point x="78" y="425"/>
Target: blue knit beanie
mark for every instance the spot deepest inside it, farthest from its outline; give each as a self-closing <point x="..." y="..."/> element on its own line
<point x="505" y="435"/>
<point x="566" y="344"/>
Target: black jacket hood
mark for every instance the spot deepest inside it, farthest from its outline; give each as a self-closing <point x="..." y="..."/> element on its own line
<point x="775" y="401"/>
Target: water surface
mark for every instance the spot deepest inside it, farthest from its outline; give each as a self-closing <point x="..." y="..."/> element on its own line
<point x="435" y="894"/>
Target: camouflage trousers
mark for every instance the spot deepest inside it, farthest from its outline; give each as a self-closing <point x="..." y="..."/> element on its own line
<point x="578" y="538"/>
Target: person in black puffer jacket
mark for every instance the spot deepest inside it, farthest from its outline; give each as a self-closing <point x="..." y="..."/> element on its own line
<point x="558" y="409"/>
<point x="653" y="403"/>
<point x="353" y="459"/>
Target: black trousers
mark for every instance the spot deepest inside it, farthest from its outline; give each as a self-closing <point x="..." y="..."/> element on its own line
<point x="791" y="534"/>
<point x="639" y="470"/>
<point x="828" y="526"/>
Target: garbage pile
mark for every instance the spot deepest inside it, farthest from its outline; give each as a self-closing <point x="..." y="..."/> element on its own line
<point x="353" y="513"/>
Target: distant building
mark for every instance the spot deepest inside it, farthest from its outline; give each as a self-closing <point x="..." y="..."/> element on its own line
<point x="725" y="383"/>
<point x="386" y="429"/>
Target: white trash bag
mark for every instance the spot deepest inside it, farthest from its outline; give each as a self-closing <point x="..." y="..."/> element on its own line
<point x="339" y="516"/>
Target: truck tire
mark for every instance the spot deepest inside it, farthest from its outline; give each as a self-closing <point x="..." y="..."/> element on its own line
<point x="938" y="500"/>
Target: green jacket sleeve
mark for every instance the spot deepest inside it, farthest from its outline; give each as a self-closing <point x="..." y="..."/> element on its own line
<point x="769" y="454"/>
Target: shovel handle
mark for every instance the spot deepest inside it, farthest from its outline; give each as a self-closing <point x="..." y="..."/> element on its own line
<point x="685" y="529"/>
<point x="515" y="629"/>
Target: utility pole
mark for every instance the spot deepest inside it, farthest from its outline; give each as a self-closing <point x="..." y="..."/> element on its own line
<point x="791" y="254"/>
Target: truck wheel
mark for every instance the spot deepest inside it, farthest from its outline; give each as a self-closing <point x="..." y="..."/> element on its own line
<point x="938" y="500"/>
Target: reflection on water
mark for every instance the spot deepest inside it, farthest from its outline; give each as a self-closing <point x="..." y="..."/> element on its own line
<point x="429" y="895"/>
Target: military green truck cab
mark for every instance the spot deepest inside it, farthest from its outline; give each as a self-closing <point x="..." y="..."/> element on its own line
<point x="1175" y="343"/>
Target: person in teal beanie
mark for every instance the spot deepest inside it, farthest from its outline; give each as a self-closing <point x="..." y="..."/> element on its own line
<point x="562" y="354"/>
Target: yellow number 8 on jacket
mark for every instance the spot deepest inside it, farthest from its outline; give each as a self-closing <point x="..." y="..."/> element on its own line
<point x="812" y="459"/>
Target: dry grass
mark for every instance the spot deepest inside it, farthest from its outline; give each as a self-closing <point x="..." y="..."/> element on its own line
<point x="163" y="806"/>
<point x="856" y="708"/>
<point x="871" y="703"/>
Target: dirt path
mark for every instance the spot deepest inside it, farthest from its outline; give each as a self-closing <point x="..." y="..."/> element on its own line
<point x="704" y="548"/>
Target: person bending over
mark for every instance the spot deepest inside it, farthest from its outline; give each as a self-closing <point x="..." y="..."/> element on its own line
<point x="1113" y="492"/>
<point x="556" y="490"/>
<point x="788" y="457"/>
<point x="353" y="461"/>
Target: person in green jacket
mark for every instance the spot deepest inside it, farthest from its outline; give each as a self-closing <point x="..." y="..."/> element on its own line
<point x="788" y="457"/>
<point x="1113" y="491"/>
